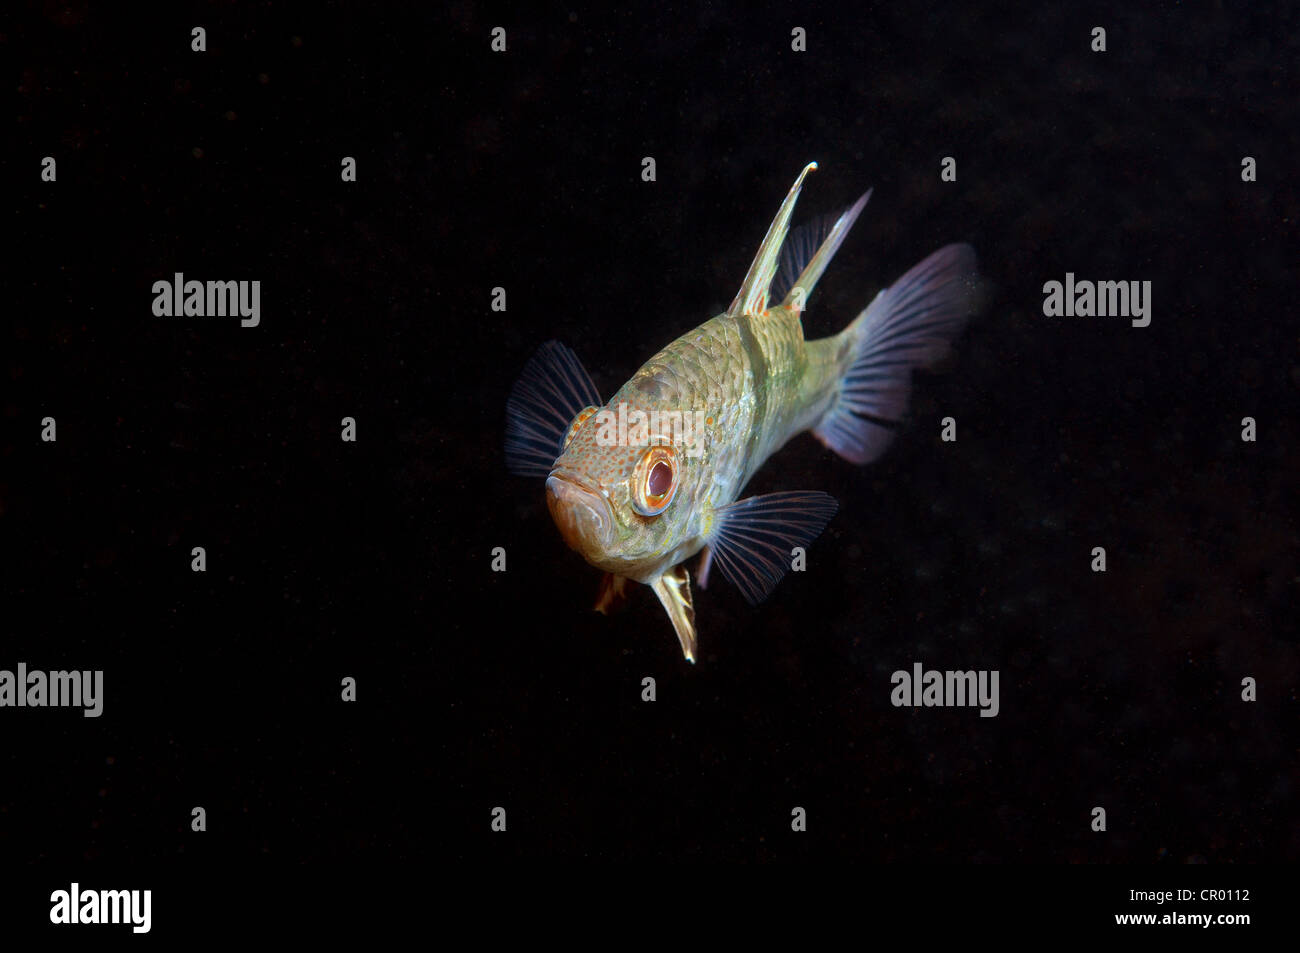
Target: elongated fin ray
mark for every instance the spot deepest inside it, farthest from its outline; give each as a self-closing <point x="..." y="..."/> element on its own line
<point x="674" y="590"/>
<point x="908" y="325"/>
<point x="810" y="249"/>
<point x="551" y="390"/>
<point x="752" y="296"/>
<point x="752" y="539"/>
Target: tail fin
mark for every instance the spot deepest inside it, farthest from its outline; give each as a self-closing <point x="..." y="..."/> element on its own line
<point x="910" y="324"/>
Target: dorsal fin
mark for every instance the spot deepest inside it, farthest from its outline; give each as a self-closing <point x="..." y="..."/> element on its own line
<point x="808" y="251"/>
<point x="800" y="246"/>
<point x="752" y="296"/>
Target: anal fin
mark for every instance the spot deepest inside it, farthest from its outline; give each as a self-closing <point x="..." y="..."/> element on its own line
<point x="674" y="590"/>
<point x="612" y="595"/>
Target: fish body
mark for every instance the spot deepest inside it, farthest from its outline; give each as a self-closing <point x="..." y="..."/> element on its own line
<point x="646" y="481"/>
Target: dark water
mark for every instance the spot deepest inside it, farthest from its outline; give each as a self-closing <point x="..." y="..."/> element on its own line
<point x="522" y="170"/>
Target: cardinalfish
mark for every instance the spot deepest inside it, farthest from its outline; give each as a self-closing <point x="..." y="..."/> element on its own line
<point x="643" y="483"/>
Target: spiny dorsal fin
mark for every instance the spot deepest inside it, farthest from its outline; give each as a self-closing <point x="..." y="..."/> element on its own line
<point x="800" y="246"/>
<point x="808" y="251"/>
<point x="752" y="296"/>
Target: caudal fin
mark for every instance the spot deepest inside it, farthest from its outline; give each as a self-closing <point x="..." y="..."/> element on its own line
<point x="908" y="325"/>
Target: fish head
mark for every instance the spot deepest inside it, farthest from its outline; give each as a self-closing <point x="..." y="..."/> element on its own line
<point x="621" y="489"/>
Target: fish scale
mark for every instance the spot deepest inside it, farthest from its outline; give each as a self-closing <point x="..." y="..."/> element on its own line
<point x="710" y="369"/>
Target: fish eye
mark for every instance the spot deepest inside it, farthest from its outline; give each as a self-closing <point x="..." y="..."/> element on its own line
<point x="655" y="481"/>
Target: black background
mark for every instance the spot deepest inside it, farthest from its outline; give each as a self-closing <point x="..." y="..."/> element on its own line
<point x="522" y="170"/>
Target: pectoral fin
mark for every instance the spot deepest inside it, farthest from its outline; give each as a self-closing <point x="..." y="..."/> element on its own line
<point x="702" y="570"/>
<point x="552" y="390"/>
<point x="674" y="590"/>
<point x="754" y="539"/>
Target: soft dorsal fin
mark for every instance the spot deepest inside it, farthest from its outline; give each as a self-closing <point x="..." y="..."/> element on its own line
<point x="752" y="296"/>
<point x="808" y="251"/>
<point x="800" y="246"/>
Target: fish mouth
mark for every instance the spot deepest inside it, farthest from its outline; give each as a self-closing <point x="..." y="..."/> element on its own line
<point x="583" y="516"/>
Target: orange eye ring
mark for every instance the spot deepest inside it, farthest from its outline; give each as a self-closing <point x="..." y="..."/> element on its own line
<point x="654" y="482"/>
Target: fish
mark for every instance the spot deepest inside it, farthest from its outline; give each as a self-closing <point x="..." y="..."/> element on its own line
<point x="643" y="483"/>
